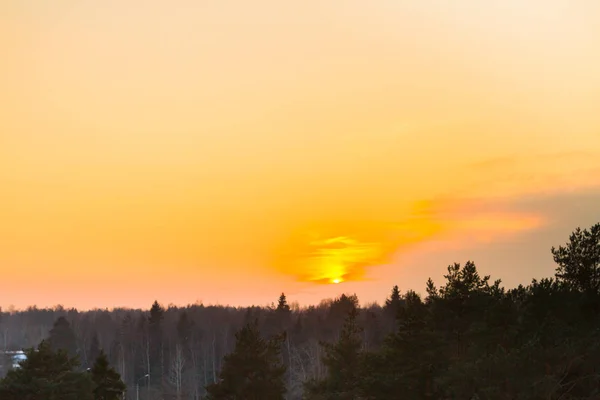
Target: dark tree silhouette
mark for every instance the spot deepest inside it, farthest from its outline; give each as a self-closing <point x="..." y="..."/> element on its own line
<point x="282" y="305"/>
<point x="407" y="360"/>
<point x="62" y="337"/>
<point x="343" y="362"/>
<point x="579" y="259"/>
<point x="107" y="381"/>
<point x="253" y="370"/>
<point x="392" y="304"/>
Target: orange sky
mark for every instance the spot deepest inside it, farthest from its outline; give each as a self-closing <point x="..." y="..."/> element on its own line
<point x="227" y="151"/>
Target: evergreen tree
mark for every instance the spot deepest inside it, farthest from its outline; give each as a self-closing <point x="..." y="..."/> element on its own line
<point x="62" y="337"/>
<point x="47" y="375"/>
<point x="343" y="360"/>
<point x="392" y="305"/>
<point x="108" y="383"/>
<point x="253" y="371"/>
<point x="338" y="312"/>
<point x="282" y="306"/>
<point x="342" y="306"/>
<point x="579" y="260"/>
<point x="279" y="319"/>
<point x="155" y="336"/>
<point x="407" y="359"/>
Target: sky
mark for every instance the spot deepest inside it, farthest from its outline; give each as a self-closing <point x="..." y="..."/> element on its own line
<point x="224" y="152"/>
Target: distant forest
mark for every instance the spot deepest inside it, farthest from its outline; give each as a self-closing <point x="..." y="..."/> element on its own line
<point x="466" y="338"/>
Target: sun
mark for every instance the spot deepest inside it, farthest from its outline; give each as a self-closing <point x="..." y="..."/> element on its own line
<point x="337" y="280"/>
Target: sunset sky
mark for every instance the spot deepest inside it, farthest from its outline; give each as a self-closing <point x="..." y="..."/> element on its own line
<point x="226" y="151"/>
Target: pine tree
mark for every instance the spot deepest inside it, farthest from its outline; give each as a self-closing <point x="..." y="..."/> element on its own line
<point x="253" y="371"/>
<point x="155" y="335"/>
<point x="579" y="260"/>
<point x="392" y="305"/>
<point x="282" y="306"/>
<point x="343" y="360"/>
<point x="404" y="363"/>
<point x="278" y="318"/>
<point x="342" y="306"/>
<point x="62" y="337"/>
<point x="47" y="375"/>
<point x="108" y="383"/>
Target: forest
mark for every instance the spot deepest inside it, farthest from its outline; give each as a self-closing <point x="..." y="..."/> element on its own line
<point x="464" y="338"/>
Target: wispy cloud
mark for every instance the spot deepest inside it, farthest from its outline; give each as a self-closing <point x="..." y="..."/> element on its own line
<point x="330" y="256"/>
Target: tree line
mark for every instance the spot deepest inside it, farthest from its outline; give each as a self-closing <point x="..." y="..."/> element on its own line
<point x="468" y="338"/>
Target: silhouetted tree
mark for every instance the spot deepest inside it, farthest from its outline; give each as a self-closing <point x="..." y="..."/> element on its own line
<point x="62" y="337"/>
<point x="253" y="370"/>
<point x="407" y="361"/>
<point x="282" y="306"/>
<point x="343" y="362"/>
<point x="392" y="304"/>
<point x="579" y="260"/>
<point x="107" y="381"/>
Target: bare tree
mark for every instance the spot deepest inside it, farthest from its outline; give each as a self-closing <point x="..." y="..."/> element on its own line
<point x="176" y="371"/>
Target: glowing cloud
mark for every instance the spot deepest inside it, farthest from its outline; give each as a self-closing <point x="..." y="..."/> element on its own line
<point x="337" y="259"/>
<point x="335" y="253"/>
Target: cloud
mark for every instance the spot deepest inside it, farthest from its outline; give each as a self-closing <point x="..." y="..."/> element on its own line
<point x="331" y="254"/>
